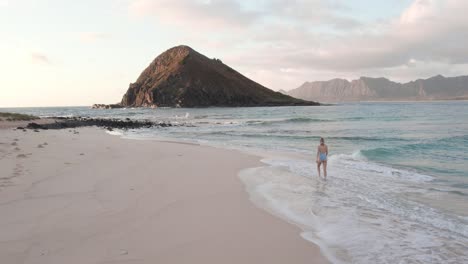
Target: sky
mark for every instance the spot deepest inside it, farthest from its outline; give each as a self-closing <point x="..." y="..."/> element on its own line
<point x="76" y="53"/>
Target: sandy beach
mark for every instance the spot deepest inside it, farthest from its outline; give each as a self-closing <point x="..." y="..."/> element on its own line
<point x="84" y="196"/>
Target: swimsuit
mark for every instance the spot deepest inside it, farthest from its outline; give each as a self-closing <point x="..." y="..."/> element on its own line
<point x="323" y="156"/>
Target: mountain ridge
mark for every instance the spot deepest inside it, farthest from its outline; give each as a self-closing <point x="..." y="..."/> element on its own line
<point x="436" y="87"/>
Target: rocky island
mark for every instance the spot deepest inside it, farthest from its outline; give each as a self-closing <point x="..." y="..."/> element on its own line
<point x="182" y="77"/>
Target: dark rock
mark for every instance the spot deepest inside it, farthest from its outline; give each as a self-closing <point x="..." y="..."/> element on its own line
<point x="109" y="124"/>
<point x="34" y="126"/>
<point x="106" y="106"/>
<point x="182" y="77"/>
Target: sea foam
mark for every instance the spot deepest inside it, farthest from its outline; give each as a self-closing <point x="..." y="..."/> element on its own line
<point x="361" y="214"/>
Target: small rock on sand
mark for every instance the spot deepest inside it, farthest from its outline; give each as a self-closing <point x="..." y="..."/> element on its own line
<point x="81" y="154"/>
<point x="14" y="144"/>
<point x="40" y="146"/>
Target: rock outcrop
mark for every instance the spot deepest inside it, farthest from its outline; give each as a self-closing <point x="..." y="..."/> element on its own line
<point x="382" y="89"/>
<point x="106" y="106"/>
<point x="75" y="122"/>
<point x="182" y="77"/>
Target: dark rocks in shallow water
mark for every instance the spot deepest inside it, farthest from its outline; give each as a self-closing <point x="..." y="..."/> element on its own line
<point x="106" y="106"/>
<point x="109" y="124"/>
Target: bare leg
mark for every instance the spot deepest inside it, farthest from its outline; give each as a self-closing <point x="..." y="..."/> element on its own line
<point x="325" y="169"/>
<point x="318" y="168"/>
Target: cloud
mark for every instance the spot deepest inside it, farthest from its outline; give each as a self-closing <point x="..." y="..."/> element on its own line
<point x="310" y="13"/>
<point x="93" y="36"/>
<point x="426" y="31"/>
<point x="322" y="38"/>
<point x="39" y="58"/>
<point x="196" y="15"/>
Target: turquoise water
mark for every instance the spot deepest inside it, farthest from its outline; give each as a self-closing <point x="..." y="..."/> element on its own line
<point x="398" y="172"/>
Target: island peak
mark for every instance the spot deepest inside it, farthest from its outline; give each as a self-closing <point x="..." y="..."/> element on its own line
<point x="183" y="77"/>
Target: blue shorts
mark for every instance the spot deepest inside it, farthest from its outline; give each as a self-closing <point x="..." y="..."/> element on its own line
<point x="323" y="157"/>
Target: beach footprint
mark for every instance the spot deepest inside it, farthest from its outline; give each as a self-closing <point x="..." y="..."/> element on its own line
<point x="4" y="150"/>
<point x="23" y="156"/>
<point x="17" y="171"/>
<point x="8" y="180"/>
<point x="42" y="145"/>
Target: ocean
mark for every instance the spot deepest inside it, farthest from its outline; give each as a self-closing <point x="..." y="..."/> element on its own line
<point x="397" y="187"/>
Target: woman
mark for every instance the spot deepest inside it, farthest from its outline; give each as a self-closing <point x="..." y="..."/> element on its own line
<point x="322" y="153"/>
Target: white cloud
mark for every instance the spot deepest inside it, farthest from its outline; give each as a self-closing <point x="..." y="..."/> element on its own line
<point x="319" y="40"/>
<point x="195" y="15"/>
<point x="419" y="10"/>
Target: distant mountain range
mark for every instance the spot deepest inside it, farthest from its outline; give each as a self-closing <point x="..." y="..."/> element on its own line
<point x="182" y="77"/>
<point x="382" y="89"/>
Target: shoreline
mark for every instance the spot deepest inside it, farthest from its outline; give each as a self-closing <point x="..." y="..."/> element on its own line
<point x="89" y="197"/>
